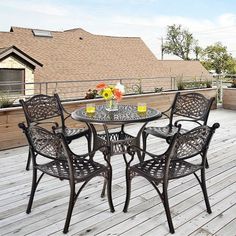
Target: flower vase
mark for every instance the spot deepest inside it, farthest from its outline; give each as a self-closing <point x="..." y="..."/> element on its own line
<point x="111" y="105"/>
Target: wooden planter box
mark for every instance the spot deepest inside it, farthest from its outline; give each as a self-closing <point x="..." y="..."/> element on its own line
<point x="11" y="136"/>
<point x="229" y="98"/>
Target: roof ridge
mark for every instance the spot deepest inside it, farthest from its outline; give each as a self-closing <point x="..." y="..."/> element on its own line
<point x="71" y="30"/>
<point x="180" y="60"/>
<point x="30" y="29"/>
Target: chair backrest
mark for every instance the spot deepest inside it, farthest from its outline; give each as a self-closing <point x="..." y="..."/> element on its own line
<point x="43" y="142"/>
<point x="192" y="143"/>
<point x="191" y="105"/>
<point x="42" y="107"/>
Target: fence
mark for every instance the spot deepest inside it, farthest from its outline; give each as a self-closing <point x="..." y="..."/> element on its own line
<point x="70" y="90"/>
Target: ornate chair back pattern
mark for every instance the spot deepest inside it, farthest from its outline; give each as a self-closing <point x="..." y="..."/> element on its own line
<point x="41" y="107"/>
<point x="192" y="143"/>
<point x="192" y="105"/>
<point x="45" y="143"/>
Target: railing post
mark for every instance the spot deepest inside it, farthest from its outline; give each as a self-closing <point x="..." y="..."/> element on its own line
<point x="218" y="87"/>
<point x="221" y="89"/>
<point x="173" y="84"/>
<point x="46" y="88"/>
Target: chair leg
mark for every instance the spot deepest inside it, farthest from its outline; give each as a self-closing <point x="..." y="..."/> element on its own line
<point x="104" y="188"/>
<point x="33" y="189"/>
<point x="204" y="190"/>
<point x="89" y="140"/>
<point x="167" y="209"/>
<point x="28" y="161"/>
<point x="109" y="190"/>
<point x="105" y="181"/>
<point x="128" y="190"/>
<point x="207" y="164"/>
<point x="144" y="135"/>
<point x="70" y="208"/>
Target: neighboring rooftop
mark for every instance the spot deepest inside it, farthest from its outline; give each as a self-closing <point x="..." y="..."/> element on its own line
<point x="79" y="55"/>
<point x="179" y="68"/>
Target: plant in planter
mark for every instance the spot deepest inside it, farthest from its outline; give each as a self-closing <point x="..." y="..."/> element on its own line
<point x="208" y="84"/>
<point x="158" y="90"/>
<point x="233" y="83"/>
<point x="91" y="94"/>
<point x="180" y="84"/>
<point x="6" y="100"/>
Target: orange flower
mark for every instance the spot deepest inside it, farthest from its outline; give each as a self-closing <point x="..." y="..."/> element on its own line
<point x="117" y="94"/>
<point x="101" y="85"/>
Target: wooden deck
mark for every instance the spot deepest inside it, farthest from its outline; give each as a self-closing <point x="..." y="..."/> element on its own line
<point x="146" y="215"/>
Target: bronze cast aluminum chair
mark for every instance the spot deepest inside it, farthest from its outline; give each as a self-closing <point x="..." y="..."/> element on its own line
<point x="62" y="163"/>
<point x="192" y="108"/>
<point x="173" y="164"/>
<point x="41" y="109"/>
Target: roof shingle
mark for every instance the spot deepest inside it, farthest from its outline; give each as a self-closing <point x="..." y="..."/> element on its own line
<point x="79" y="55"/>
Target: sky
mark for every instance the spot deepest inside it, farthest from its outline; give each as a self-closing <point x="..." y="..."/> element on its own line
<point x="209" y="21"/>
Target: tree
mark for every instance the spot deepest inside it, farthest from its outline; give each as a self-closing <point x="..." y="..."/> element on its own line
<point x="197" y="51"/>
<point x="180" y="42"/>
<point x="232" y="66"/>
<point x="215" y="57"/>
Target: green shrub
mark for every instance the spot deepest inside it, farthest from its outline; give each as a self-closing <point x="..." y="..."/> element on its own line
<point x="91" y="94"/>
<point x="6" y="100"/>
<point x="158" y="90"/>
<point x="208" y="84"/>
<point x="233" y="83"/>
<point x="180" y="84"/>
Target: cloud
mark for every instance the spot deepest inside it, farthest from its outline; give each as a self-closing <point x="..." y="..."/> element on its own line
<point x="40" y="7"/>
<point x="162" y="22"/>
<point x="227" y="19"/>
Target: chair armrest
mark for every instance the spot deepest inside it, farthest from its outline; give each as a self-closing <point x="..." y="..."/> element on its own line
<point x="47" y="122"/>
<point x="164" y="113"/>
<point x="187" y="120"/>
<point x="132" y="149"/>
<point x="91" y="154"/>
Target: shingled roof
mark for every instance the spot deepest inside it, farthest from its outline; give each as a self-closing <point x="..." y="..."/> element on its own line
<point x="17" y="53"/>
<point x="185" y="68"/>
<point x="79" y="55"/>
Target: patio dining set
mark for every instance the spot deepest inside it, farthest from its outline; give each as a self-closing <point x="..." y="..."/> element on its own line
<point x="49" y="140"/>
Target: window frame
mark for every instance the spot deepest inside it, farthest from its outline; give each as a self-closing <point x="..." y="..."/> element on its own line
<point x="22" y="80"/>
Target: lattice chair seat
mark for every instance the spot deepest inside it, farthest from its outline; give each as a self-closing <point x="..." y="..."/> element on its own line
<point x="163" y="132"/>
<point x="155" y="169"/>
<point x="62" y="163"/>
<point x="82" y="169"/>
<point x="72" y="133"/>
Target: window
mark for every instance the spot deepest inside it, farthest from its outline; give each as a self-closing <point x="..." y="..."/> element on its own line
<point x="11" y="80"/>
<point x="42" y="33"/>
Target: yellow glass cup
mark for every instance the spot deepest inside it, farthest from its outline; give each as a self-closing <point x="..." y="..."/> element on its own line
<point x="142" y="107"/>
<point x="90" y="108"/>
